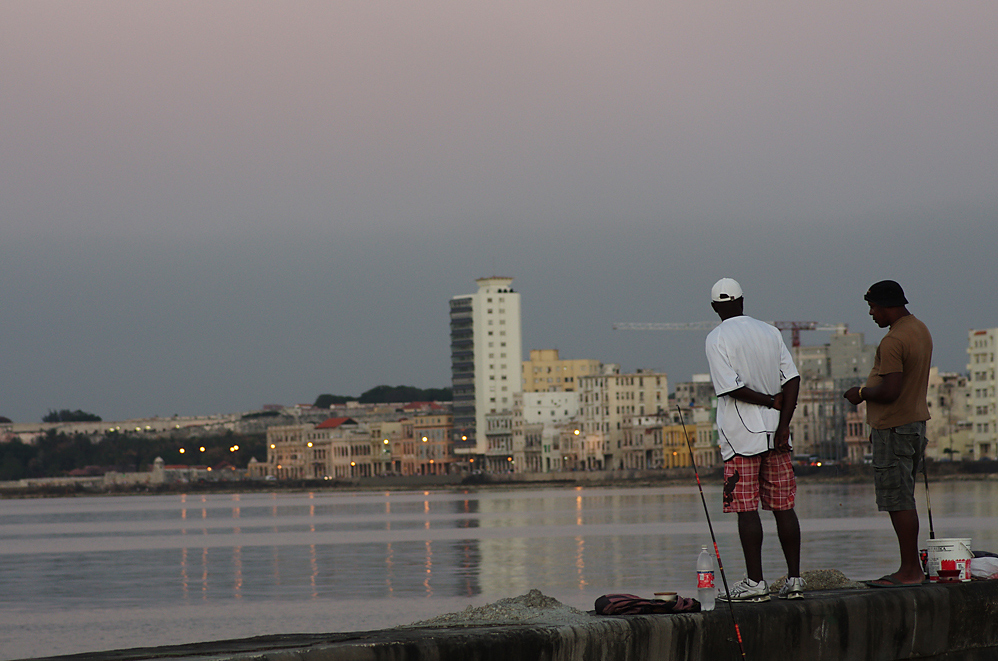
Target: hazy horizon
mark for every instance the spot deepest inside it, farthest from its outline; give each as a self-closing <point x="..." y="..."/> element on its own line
<point x="209" y="207"/>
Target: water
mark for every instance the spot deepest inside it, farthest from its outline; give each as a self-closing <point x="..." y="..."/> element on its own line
<point x="98" y="573"/>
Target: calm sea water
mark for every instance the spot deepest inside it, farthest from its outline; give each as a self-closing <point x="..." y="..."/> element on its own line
<point x="99" y="573"/>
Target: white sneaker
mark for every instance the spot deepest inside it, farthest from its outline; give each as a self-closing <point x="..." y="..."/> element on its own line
<point x="747" y="590"/>
<point x="793" y="588"/>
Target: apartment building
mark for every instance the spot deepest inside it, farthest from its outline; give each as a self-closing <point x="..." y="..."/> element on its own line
<point x="499" y="442"/>
<point x="532" y="412"/>
<point x="696" y="393"/>
<point x="948" y="430"/>
<point x="817" y="427"/>
<point x="334" y="448"/>
<point x="531" y="460"/>
<point x="820" y="425"/>
<point x="433" y="445"/>
<point x="982" y="392"/>
<point x="549" y="407"/>
<point x="705" y="447"/>
<point x="486" y="361"/>
<point x="675" y="451"/>
<point x="546" y="371"/>
<point x="286" y="452"/>
<point x="561" y="447"/>
<point x="859" y="450"/>
<point x="398" y="437"/>
<point x="610" y="398"/>
<point x="660" y="441"/>
<point x="849" y="357"/>
<point x="700" y="424"/>
<point x="640" y="445"/>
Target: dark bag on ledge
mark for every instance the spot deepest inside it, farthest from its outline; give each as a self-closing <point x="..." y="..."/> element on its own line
<point x="629" y="604"/>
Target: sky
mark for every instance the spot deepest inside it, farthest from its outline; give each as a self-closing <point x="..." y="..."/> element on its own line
<point x="210" y="207"/>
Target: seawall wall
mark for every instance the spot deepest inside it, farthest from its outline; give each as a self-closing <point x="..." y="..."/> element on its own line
<point x="943" y="622"/>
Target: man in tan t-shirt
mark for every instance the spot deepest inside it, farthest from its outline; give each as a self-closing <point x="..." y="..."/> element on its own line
<point x="896" y="410"/>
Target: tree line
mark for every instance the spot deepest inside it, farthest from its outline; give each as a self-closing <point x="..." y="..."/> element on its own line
<point x="65" y="415"/>
<point x="60" y="454"/>
<point x="388" y="394"/>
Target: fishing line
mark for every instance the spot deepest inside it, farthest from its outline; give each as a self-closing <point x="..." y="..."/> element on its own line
<point x="717" y="552"/>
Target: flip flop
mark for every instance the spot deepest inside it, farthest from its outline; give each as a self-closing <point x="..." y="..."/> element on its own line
<point x="888" y="581"/>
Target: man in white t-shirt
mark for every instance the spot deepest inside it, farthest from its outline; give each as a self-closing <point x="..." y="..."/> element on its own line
<point x="756" y="384"/>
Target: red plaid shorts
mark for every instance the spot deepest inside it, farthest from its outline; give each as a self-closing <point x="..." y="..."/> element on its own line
<point x="769" y="475"/>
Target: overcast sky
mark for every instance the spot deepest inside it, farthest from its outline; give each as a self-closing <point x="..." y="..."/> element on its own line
<point x="208" y="207"/>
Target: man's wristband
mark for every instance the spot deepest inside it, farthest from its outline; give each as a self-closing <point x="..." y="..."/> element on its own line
<point x="772" y="401"/>
<point x="861" y="393"/>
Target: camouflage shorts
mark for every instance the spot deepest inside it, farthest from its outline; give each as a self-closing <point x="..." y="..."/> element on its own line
<point x="897" y="452"/>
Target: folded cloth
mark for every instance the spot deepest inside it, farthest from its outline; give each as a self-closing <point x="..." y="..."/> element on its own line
<point x="629" y="604"/>
<point x="984" y="567"/>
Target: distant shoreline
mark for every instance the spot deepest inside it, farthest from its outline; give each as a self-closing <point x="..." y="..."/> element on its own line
<point x="841" y="473"/>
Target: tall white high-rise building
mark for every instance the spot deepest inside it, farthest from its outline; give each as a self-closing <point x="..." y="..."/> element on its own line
<point x="486" y="359"/>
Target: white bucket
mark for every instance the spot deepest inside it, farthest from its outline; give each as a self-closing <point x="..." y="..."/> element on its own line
<point x="949" y="559"/>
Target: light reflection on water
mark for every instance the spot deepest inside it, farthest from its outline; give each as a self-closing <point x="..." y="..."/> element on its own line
<point x="102" y="573"/>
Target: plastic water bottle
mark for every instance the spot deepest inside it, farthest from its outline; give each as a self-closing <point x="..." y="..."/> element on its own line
<point x="705" y="580"/>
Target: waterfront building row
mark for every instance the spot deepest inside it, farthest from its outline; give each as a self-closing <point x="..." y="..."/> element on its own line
<point x="963" y="407"/>
<point x="155" y="426"/>
<point x="342" y="448"/>
<point x="541" y="432"/>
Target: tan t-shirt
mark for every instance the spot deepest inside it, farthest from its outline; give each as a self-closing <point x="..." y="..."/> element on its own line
<point x="907" y="348"/>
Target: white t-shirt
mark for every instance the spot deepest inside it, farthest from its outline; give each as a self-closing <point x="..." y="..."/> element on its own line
<point x="743" y="351"/>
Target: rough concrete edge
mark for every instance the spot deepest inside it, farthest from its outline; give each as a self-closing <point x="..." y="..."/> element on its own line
<point x="938" y="621"/>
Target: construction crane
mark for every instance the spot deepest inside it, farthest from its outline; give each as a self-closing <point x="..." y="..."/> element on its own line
<point x="795" y="327"/>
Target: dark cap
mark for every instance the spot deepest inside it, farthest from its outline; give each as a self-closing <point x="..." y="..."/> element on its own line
<point x="886" y="294"/>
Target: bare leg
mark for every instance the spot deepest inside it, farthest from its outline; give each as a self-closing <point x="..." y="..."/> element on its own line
<point x="788" y="528"/>
<point x="906" y="527"/>
<point x="750" y="534"/>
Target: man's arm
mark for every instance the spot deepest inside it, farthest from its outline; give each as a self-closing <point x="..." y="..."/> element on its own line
<point x="885" y="392"/>
<point x="785" y="401"/>
<point x="787" y="405"/>
<point x="749" y="396"/>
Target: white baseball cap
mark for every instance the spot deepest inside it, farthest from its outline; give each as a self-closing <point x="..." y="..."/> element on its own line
<point x="724" y="290"/>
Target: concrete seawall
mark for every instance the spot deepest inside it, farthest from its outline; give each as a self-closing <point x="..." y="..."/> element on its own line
<point x="951" y="622"/>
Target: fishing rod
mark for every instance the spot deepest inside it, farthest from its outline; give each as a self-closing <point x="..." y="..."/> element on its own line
<point x="717" y="552"/>
<point x="928" y="504"/>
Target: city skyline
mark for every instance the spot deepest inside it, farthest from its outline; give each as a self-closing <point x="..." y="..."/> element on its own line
<point x="205" y="208"/>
